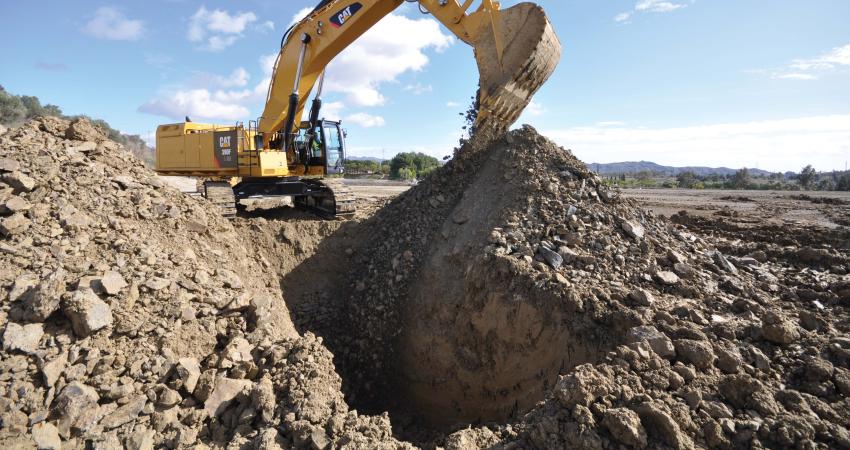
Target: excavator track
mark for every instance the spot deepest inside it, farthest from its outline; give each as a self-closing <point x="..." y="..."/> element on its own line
<point x="331" y="198"/>
<point x="532" y="51"/>
<point x="220" y="193"/>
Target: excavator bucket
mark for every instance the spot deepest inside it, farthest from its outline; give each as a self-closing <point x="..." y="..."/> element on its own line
<point x="516" y="50"/>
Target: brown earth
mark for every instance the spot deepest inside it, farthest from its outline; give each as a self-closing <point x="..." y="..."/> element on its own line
<point x="508" y="301"/>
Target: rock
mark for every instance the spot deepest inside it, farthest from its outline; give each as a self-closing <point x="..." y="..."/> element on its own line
<point x="141" y="439"/>
<point x="236" y="351"/>
<point x="666" y="278"/>
<point x="23" y="285"/>
<point x="45" y="298"/>
<point x="9" y="165"/>
<point x="226" y="389"/>
<point x="14" y="224"/>
<point x="73" y="406"/>
<point x="553" y="259"/>
<point x="812" y="255"/>
<point x="633" y="229"/>
<point x="81" y="129"/>
<point x="229" y="279"/>
<point x="263" y="399"/>
<point x="658" y="341"/>
<point x="698" y="353"/>
<point x="625" y="427"/>
<point x="20" y="182"/>
<point x="665" y="427"/>
<point x="319" y="439"/>
<point x="124" y="414"/>
<point x="87" y="312"/>
<point x="168" y="397"/>
<point x="781" y="333"/>
<point x="642" y="297"/>
<point x="205" y="386"/>
<point x="723" y="263"/>
<point x="582" y="387"/>
<point x="819" y="370"/>
<point x="22" y="338"/>
<point x="51" y="371"/>
<point x="729" y="360"/>
<point x="14" y="204"/>
<point x="188" y="371"/>
<point x="112" y="282"/>
<point x="46" y="436"/>
<point x="157" y="284"/>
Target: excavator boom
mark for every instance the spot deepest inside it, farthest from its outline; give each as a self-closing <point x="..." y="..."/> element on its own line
<point x="516" y="50"/>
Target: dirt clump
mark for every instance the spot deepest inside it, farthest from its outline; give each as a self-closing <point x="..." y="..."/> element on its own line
<point x="134" y="316"/>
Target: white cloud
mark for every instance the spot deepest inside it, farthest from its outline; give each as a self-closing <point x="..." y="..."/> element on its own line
<point x="218" y="29"/>
<point x="648" y="6"/>
<point x="111" y="24"/>
<point x="332" y="110"/>
<point x="238" y="78"/>
<point x="379" y="56"/>
<point x="658" y="6"/>
<point x="452" y="104"/>
<point x="535" y="109"/>
<point x="366" y="120"/>
<point x="810" y="69"/>
<point x="419" y="88"/>
<point x="610" y="123"/>
<point x="623" y="17"/>
<point x="777" y="145"/>
<point x="301" y="14"/>
<point x="198" y="104"/>
<point x="795" y="76"/>
<point x="268" y="25"/>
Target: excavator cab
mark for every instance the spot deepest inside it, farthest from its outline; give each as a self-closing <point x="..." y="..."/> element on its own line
<point x="322" y="146"/>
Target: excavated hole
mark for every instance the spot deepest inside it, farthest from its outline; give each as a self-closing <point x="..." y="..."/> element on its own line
<point x="471" y="350"/>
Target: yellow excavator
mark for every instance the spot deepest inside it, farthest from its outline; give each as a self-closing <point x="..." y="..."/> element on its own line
<point x="281" y="155"/>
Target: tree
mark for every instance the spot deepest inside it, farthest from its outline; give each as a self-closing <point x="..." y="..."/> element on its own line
<point x="687" y="179"/>
<point x="843" y="183"/>
<point x="807" y="176"/>
<point x="741" y="180"/>
<point x="12" y="110"/>
<point x="419" y="163"/>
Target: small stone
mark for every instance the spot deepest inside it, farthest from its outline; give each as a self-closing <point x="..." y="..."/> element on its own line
<point x="22" y="338"/>
<point x="19" y="182"/>
<point x="819" y="370"/>
<point x="141" y="439"/>
<point x="658" y="341"/>
<point x="553" y="259"/>
<point x="73" y="405"/>
<point x="660" y="423"/>
<point x="51" y="371"/>
<point x="168" y="398"/>
<point x="634" y="229"/>
<point x="46" y="436"/>
<point x="729" y="360"/>
<point x="230" y="279"/>
<point x="157" y="284"/>
<point x="14" y="204"/>
<point x="188" y="371"/>
<point x="14" y="224"/>
<point x="45" y="298"/>
<point x="667" y="278"/>
<point x="124" y="414"/>
<point x="236" y="351"/>
<point x="625" y="427"/>
<point x="112" y="282"/>
<point x="9" y="165"/>
<point x="87" y="312"/>
<point x="226" y="389"/>
<point x="698" y="353"/>
<point x="642" y="297"/>
<point x="723" y="263"/>
<point x="782" y="333"/>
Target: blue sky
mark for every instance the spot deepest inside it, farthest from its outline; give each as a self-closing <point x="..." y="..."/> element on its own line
<point x="679" y="82"/>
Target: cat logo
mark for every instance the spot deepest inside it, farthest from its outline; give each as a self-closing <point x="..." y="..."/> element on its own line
<point x="339" y="19"/>
<point x="224" y="142"/>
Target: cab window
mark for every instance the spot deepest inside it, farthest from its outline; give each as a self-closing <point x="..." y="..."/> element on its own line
<point x="334" y="145"/>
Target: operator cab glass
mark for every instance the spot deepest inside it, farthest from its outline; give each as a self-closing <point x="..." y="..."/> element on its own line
<point x="334" y="147"/>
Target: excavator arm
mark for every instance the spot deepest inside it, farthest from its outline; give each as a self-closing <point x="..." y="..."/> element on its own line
<point x="516" y="50"/>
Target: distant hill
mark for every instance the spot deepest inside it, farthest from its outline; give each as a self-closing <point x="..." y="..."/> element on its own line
<point x="641" y="166"/>
<point x="363" y="158"/>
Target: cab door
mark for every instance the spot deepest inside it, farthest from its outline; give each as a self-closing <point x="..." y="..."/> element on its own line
<point x="334" y="148"/>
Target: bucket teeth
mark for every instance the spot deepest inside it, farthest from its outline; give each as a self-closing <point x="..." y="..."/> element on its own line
<point x="531" y="54"/>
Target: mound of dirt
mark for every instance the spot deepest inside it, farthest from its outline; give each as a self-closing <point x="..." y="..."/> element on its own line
<point x="134" y="316"/>
<point x="514" y="276"/>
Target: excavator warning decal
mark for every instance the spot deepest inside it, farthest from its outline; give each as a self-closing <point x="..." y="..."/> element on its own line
<point x="339" y="19"/>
